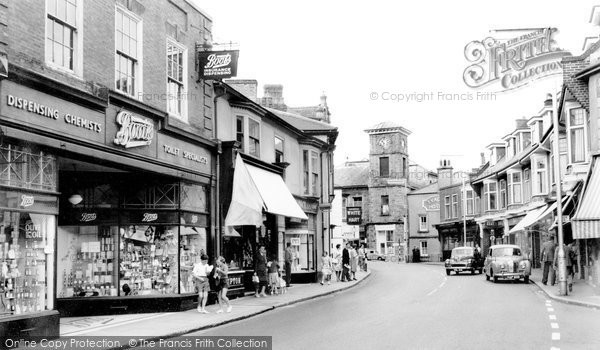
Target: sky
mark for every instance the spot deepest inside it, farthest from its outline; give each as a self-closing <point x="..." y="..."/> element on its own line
<point x="357" y="50"/>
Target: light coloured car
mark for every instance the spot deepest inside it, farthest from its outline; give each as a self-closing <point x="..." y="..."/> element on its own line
<point x="506" y="261"/>
<point x="374" y="255"/>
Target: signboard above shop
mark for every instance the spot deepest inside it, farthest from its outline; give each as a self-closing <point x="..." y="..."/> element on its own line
<point x="353" y="215"/>
<point x="217" y="65"/>
<point x="432" y="203"/>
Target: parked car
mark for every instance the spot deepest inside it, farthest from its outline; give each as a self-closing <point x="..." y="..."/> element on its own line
<point x="508" y="262"/>
<point x="464" y="259"/>
<point x="374" y="255"/>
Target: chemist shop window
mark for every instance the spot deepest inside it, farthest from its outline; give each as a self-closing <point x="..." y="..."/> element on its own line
<point x="193" y="243"/>
<point x="26" y="266"/>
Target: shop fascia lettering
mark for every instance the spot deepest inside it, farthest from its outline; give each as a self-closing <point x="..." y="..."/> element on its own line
<point x="175" y="151"/>
<point x="51" y="113"/>
<point x="135" y="131"/>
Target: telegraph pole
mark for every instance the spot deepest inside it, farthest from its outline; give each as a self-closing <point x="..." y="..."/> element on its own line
<point x="562" y="266"/>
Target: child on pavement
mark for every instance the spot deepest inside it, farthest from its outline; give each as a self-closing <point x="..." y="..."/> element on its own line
<point x="200" y="273"/>
<point x="273" y="269"/>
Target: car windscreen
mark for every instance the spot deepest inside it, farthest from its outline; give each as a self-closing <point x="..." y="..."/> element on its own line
<point x="462" y="252"/>
<point x="506" y="251"/>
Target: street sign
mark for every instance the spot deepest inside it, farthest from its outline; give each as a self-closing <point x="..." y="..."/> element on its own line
<point x="353" y="215"/>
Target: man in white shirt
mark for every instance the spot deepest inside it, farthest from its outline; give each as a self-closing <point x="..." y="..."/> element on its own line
<point x="200" y="273"/>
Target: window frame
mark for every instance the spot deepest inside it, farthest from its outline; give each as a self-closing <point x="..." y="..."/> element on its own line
<point x="423" y="225"/>
<point x="488" y="196"/>
<point x="387" y="174"/>
<point x="138" y="71"/>
<point x="385" y="208"/>
<point x="245" y="147"/>
<point x="526" y="186"/>
<point x="503" y="197"/>
<point x="455" y="206"/>
<point x="77" y="33"/>
<point x="570" y="129"/>
<point x="470" y="199"/>
<point x="512" y="185"/>
<point x="281" y="152"/>
<point x="183" y="116"/>
<point x="540" y="188"/>
<point x="423" y="248"/>
<point x="447" y="213"/>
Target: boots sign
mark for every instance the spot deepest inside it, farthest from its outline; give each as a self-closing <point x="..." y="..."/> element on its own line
<point x="217" y="65"/>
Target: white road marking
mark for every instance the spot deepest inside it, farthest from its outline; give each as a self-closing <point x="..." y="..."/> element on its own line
<point x="433" y="291"/>
<point x="550" y="309"/>
<point x="554" y="325"/>
<point x="552" y="317"/>
<point x="553" y="348"/>
<point x="548" y="301"/>
<point x="555" y="336"/>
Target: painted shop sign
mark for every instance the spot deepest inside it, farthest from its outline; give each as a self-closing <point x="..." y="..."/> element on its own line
<point x="135" y="131"/>
<point x="185" y="154"/>
<point x="353" y="215"/>
<point x="45" y="112"/>
<point x="217" y="65"/>
<point x="432" y="203"/>
<point x="513" y="63"/>
<point x="191" y="156"/>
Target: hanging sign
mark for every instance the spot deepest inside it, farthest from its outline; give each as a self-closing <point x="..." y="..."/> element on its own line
<point x="217" y="65"/>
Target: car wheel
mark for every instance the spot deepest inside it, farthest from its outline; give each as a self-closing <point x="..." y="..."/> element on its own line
<point x="526" y="279"/>
<point x="472" y="271"/>
<point x="447" y="272"/>
<point x="480" y="271"/>
<point x="495" y="279"/>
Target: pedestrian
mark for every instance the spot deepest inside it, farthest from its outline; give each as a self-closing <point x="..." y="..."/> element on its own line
<point x="346" y="263"/>
<point x="361" y="257"/>
<point x="337" y="261"/>
<point x="288" y="260"/>
<point x="353" y="261"/>
<point x="273" y="269"/>
<point x="260" y="269"/>
<point x="222" y="271"/>
<point x="325" y="269"/>
<point x="548" y="260"/>
<point x="414" y="254"/>
<point x="200" y="273"/>
<point x="568" y="263"/>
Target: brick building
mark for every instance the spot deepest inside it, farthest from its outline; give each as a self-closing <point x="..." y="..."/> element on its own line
<point x="109" y="159"/>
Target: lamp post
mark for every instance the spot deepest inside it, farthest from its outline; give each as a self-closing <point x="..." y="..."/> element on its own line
<point x="464" y="209"/>
<point x="562" y="266"/>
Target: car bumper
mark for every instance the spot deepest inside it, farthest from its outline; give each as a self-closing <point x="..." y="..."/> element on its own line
<point x="511" y="275"/>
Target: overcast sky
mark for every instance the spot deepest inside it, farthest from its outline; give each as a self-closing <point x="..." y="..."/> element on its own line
<point x="351" y="49"/>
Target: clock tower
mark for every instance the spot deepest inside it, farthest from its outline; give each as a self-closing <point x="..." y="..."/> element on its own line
<point x="388" y="187"/>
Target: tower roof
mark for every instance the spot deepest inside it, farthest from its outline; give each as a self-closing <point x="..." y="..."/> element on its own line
<point x="387" y="126"/>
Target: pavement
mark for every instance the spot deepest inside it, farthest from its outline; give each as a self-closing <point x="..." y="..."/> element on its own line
<point x="583" y="294"/>
<point x="178" y="323"/>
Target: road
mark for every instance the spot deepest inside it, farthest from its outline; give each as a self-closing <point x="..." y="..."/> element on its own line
<point x="416" y="306"/>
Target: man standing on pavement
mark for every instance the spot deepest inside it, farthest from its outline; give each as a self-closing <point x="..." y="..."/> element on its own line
<point x="289" y="256"/>
<point x="346" y="263"/>
<point x="548" y="259"/>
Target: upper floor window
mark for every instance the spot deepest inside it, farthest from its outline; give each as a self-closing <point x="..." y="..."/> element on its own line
<point x="128" y="52"/>
<point x="279" y="158"/>
<point x="62" y="34"/>
<point x="404" y="167"/>
<point x="514" y="188"/>
<point x="526" y="139"/>
<point x="253" y="137"/>
<point x="502" y="194"/>
<point x="577" y="135"/>
<point x="310" y="172"/>
<point x="239" y="131"/>
<point x="447" y="213"/>
<point x="385" y="205"/>
<point x="454" y="205"/>
<point x="384" y="166"/>
<point x="491" y="195"/>
<point x="526" y="185"/>
<point x="176" y="84"/>
<point x="470" y="202"/>
<point x="314" y="169"/>
<point x="541" y="176"/>
<point x="357" y="201"/>
<point x="423" y="223"/>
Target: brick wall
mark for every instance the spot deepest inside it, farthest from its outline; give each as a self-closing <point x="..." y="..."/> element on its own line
<point x="25" y="35"/>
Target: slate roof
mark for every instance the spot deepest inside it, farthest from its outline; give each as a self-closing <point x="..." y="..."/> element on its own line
<point x="433" y="188"/>
<point x="352" y="176"/>
<point x="302" y="123"/>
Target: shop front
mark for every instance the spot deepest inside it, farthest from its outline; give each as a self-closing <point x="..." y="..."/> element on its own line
<point x="451" y="235"/>
<point x="114" y="205"/>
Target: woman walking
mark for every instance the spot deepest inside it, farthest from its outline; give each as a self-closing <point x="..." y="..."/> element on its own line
<point x="337" y="262"/>
<point x="326" y="269"/>
<point x="260" y="270"/>
<point x="222" y="271"/>
<point x="353" y="261"/>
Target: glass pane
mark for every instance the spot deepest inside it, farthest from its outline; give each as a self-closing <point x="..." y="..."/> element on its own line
<point x="125" y="47"/>
<point x="51" y="6"/>
<point x="133" y="48"/>
<point x="71" y="14"/>
<point x="58" y="54"/>
<point x="123" y="67"/>
<point x="61" y="10"/>
<point x="132" y="29"/>
<point x="253" y="128"/>
<point x="148" y="260"/>
<point x="67" y="35"/>
<point x="89" y="267"/>
<point x="118" y="22"/>
<point x="125" y="27"/>
<point x="192" y="246"/>
<point x="49" y="28"/>
<point x="67" y="55"/>
<point x="58" y="32"/>
<point x="117" y="80"/>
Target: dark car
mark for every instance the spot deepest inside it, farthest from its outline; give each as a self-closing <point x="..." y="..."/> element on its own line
<point x="464" y="259"/>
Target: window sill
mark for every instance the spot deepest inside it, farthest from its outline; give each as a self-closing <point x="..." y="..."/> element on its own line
<point x="179" y="118"/>
<point x="59" y="69"/>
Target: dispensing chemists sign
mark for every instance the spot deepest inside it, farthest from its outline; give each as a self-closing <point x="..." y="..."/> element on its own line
<point x="514" y="62"/>
<point x="217" y="65"/>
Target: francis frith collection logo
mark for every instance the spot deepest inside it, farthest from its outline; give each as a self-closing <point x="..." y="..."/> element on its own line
<point x="515" y="62"/>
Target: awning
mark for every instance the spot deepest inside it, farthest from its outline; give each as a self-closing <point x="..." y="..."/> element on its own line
<point x="552" y="207"/>
<point x="529" y="219"/>
<point x="586" y="222"/>
<point x="255" y="189"/>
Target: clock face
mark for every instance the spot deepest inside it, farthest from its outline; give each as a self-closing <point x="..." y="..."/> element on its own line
<point x="384" y="142"/>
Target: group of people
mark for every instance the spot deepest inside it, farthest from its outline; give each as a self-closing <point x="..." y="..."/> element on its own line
<point x="550" y="259"/>
<point x="268" y="273"/>
<point x="204" y="274"/>
<point x="343" y="263"/>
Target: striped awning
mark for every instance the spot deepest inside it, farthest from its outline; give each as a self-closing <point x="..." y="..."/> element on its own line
<point x="586" y="222"/>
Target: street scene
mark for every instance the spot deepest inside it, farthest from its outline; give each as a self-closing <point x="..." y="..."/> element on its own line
<point x="188" y="174"/>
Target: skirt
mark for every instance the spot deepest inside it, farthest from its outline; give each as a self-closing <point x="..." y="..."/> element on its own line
<point x="273" y="278"/>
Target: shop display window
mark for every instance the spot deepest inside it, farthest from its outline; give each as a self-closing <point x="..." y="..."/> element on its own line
<point x="192" y="245"/>
<point x="149" y="261"/>
<point x="302" y="245"/>
<point x="87" y="257"/>
<point x="26" y="262"/>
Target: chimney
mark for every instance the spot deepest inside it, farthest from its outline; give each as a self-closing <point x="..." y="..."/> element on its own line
<point x="444" y="173"/>
<point x="522" y="123"/>
<point x="273" y="97"/>
<point x="323" y="100"/>
<point x="248" y="87"/>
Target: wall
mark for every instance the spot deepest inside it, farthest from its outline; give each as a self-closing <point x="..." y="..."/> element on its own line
<point x="415" y="210"/>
